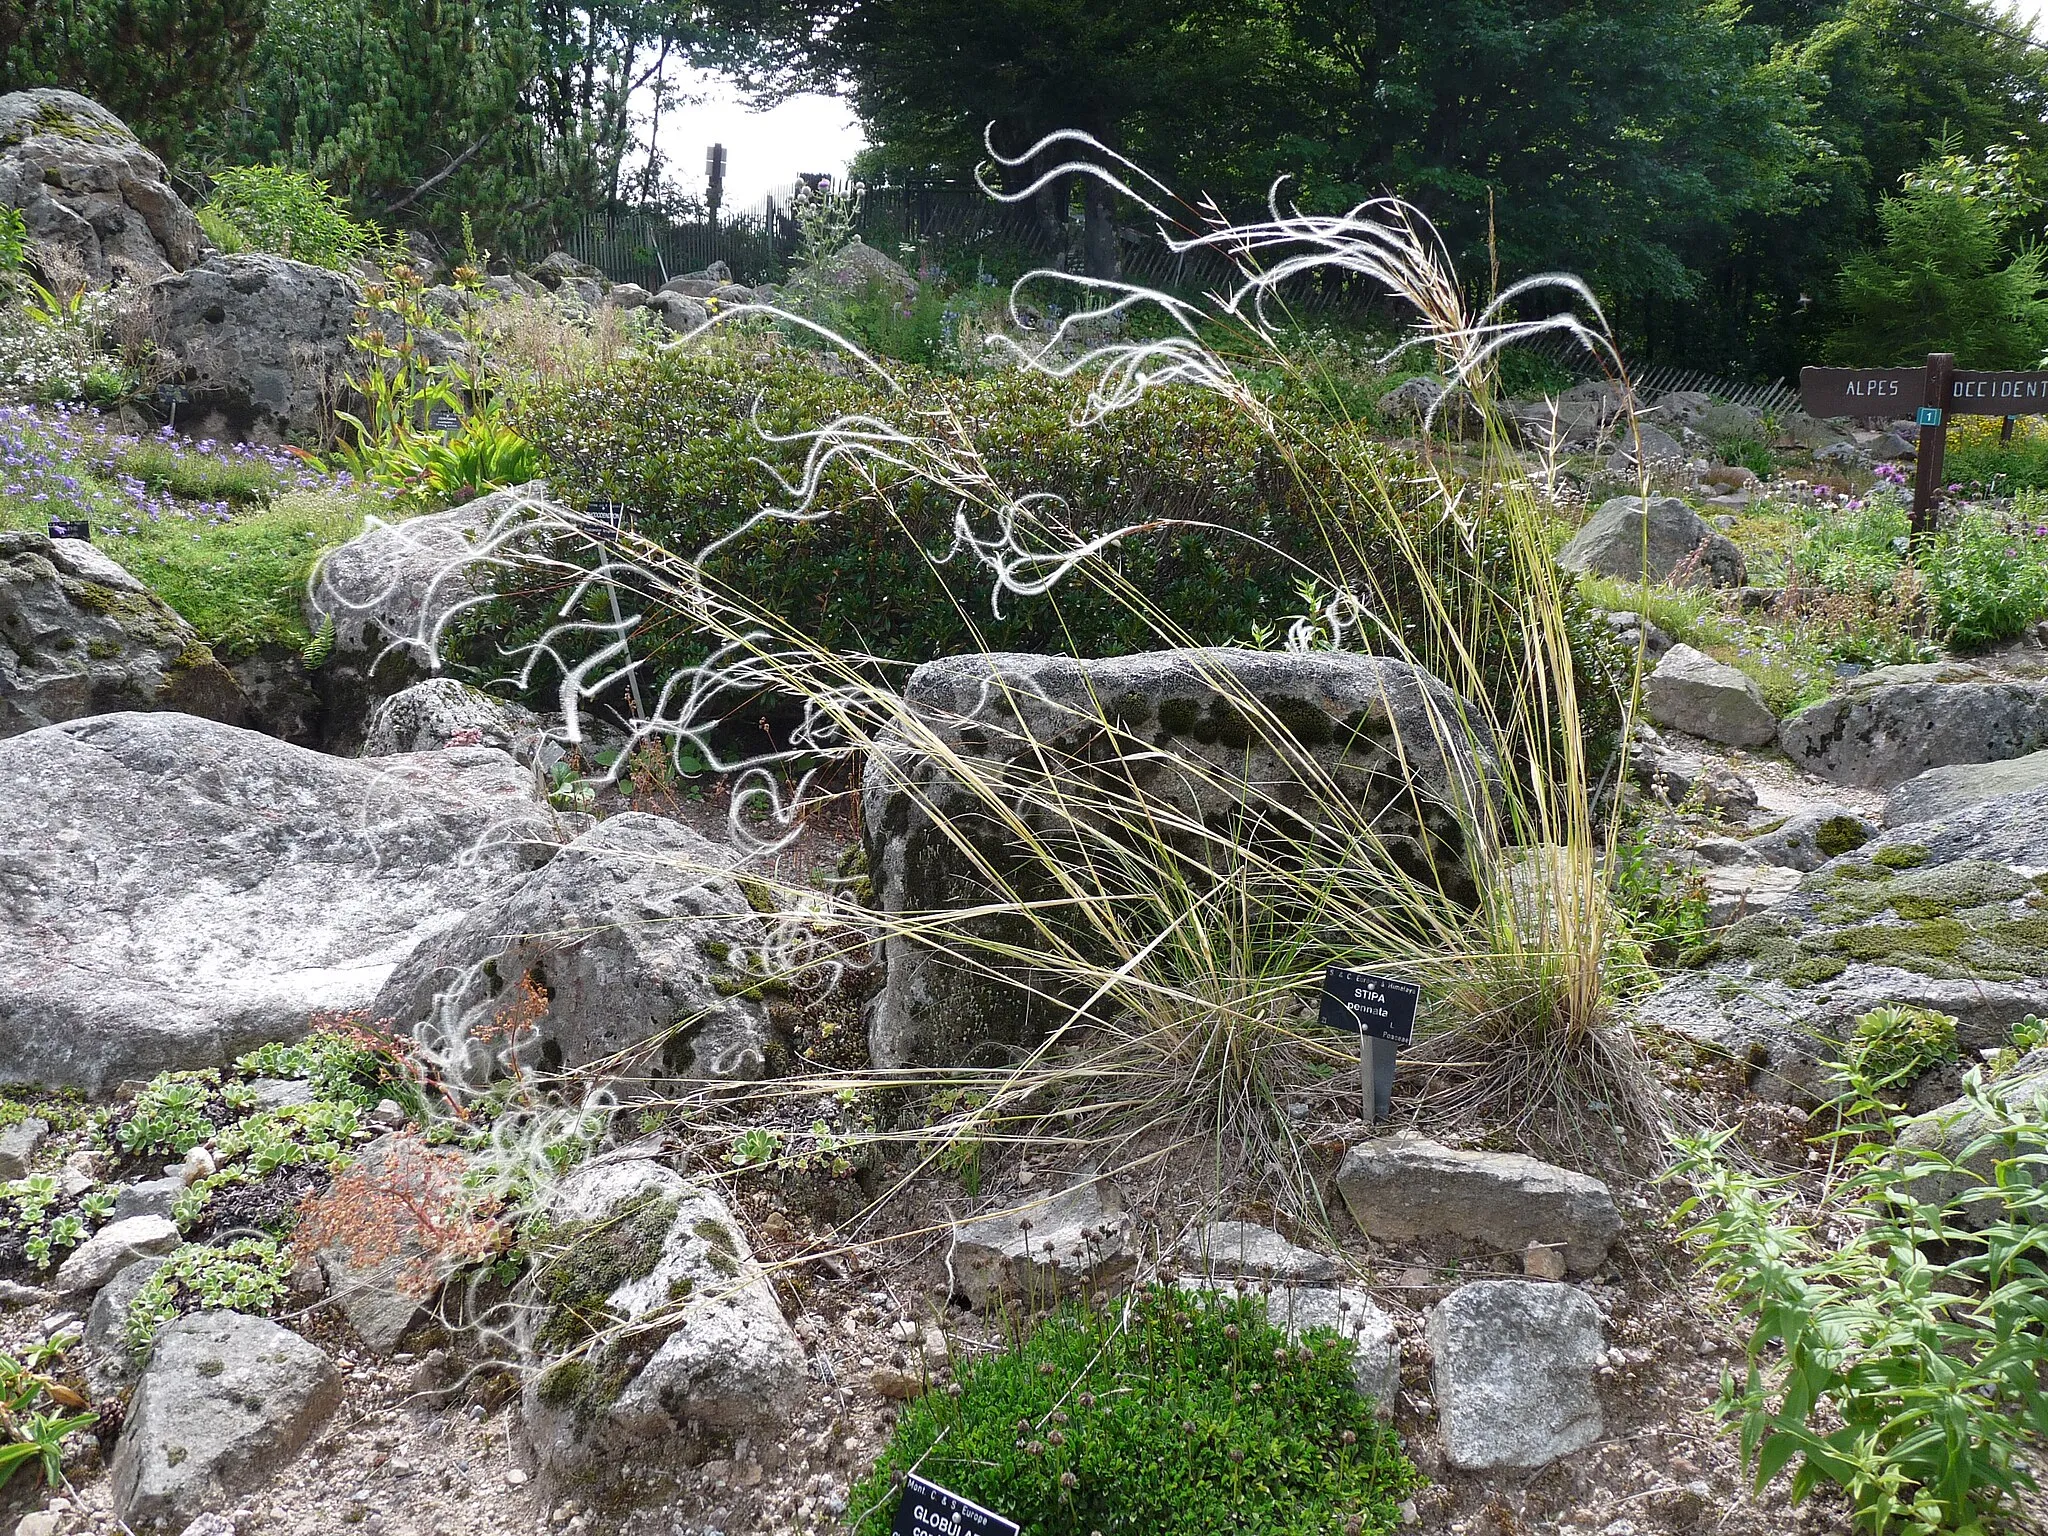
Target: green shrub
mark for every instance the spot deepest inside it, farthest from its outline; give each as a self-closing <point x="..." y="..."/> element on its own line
<point x="286" y="213"/>
<point x="675" y="437"/>
<point x="1987" y="574"/>
<point x="248" y="1274"/>
<point x="1894" y="1350"/>
<point x="1187" y="1415"/>
<point x="344" y="1066"/>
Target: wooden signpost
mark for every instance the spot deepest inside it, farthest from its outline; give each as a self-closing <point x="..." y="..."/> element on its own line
<point x="1381" y="1011"/>
<point x="1933" y="393"/>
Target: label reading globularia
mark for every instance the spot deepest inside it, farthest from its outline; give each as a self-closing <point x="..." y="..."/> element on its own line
<point x="929" y="1510"/>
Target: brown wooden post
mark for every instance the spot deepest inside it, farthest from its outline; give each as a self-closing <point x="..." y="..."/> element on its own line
<point x="1941" y="374"/>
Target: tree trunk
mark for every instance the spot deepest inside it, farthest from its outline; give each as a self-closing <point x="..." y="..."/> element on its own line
<point x="1098" y="238"/>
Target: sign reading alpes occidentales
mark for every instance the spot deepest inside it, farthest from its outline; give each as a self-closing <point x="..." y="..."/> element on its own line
<point x="1931" y="393"/>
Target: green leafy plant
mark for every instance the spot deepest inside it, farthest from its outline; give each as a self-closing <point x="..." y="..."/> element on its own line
<point x="345" y="1064"/>
<point x="1177" y="1412"/>
<point x="248" y="1274"/>
<point x="1891" y="1046"/>
<point x="1896" y="1326"/>
<point x="171" y="1115"/>
<point x="33" y="1420"/>
<point x="286" y="213"/>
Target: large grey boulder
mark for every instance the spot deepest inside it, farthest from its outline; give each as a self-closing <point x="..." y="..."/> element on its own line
<point x="858" y="266"/>
<point x="259" y="343"/>
<point x="653" y="1331"/>
<point x="1404" y="1186"/>
<point x="96" y="203"/>
<point x="1937" y="915"/>
<point x="1080" y="1239"/>
<point x="1941" y="792"/>
<point x="1208" y="737"/>
<point x="440" y="711"/>
<point x="680" y="313"/>
<point x="81" y="636"/>
<point x="1658" y="447"/>
<point x="225" y="1402"/>
<point x="1648" y="539"/>
<point x="637" y="937"/>
<point x="1691" y="692"/>
<point x="1808" y="840"/>
<point x="110" y="1365"/>
<point x="1894" y="723"/>
<point x="1512" y="1362"/>
<point x="1246" y="1250"/>
<point x="388" y="591"/>
<point x="174" y="892"/>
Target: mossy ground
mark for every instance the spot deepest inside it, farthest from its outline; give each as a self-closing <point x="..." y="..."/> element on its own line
<point x="1966" y="921"/>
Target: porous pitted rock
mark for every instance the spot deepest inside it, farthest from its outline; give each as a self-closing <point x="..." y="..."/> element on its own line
<point x="110" y="1365"/>
<point x="638" y="940"/>
<point x="858" y="266"/>
<point x="1405" y="1186"/>
<point x="1352" y="1315"/>
<point x="260" y="345"/>
<point x="1734" y="891"/>
<point x="557" y="266"/>
<point x="18" y="1144"/>
<point x="1077" y="1240"/>
<point x="1961" y="1144"/>
<point x="81" y="636"/>
<point x="1650" y="539"/>
<point x="1941" y="792"/>
<point x="1692" y="692"/>
<point x="1512" y="1362"/>
<point x="1658" y="447"/>
<point x="1674" y="776"/>
<point x="679" y="312"/>
<point x="225" y="1402"/>
<point x="388" y="589"/>
<point x="1193" y="734"/>
<point x="695" y="1348"/>
<point x="439" y="711"/>
<point x="95" y="202"/>
<point x="174" y="892"/>
<point x="1893" y="723"/>
<point x="1243" y="1249"/>
<point x="1808" y="840"/>
<point x="1423" y="404"/>
<point x="1943" y="915"/>
<point x="1574" y="421"/>
<point x="112" y="1249"/>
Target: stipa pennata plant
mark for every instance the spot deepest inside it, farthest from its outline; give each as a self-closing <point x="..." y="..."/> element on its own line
<point x="1896" y="1320"/>
<point x="1165" y="1411"/>
<point x="1171" y="954"/>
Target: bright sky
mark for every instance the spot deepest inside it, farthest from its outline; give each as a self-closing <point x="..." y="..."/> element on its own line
<point x="764" y="151"/>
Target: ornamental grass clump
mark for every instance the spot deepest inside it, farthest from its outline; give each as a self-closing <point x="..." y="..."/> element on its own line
<point x="1171" y="954"/>
<point x="1170" y="1412"/>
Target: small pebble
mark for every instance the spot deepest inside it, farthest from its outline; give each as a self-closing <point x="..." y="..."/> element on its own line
<point x="515" y="1478"/>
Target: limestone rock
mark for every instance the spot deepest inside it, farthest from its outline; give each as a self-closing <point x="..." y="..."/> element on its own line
<point x="442" y="711"/>
<point x="1512" y="1364"/>
<point x="1243" y="1249"/>
<point x="149" y="1197"/>
<point x="259" y="343"/>
<point x="1893" y="723"/>
<point x="382" y="1291"/>
<point x="1808" y="840"/>
<point x="1648" y="540"/>
<point x="1692" y="692"/>
<point x="113" y="1248"/>
<point x="80" y="636"/>
<point x="557" y="266"/>
<point x="1080" y="1239"/>
<point x="708" y="1356"/>
<point x="858" y="266"/>
<point x="226" y="1401"/>
<point x="110" y="1367"/>
<point x="1674" y="776"/>
<point x="94" y="200"/>
<point x="282" y="699"/>
<point x="680" y="312"/>
<point x="1658" y="447"/>
<point x="1350" y="1314"/>
<point x="1940" y="792"/>
<point x="174" y="892"/>
<point x="638" y="938"/>
<point x="388" y="590"/>
<point x="1735" y="891"/>
<point x="18" y="1144"/>
<point x="1405" y="1186"/>
<point x="1382" y="733"/>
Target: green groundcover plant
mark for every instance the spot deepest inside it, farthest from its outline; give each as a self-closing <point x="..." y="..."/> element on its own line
<point x="245" y="1275"/>
<point x="1172" y="1414"/>
<point x="1897" y="1324"/>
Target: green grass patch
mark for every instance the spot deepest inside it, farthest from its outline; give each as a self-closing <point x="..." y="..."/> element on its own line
<point x="1191" y="1414"/>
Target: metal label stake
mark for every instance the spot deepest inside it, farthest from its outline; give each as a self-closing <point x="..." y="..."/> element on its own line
<point x="1381" y="1011"/>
